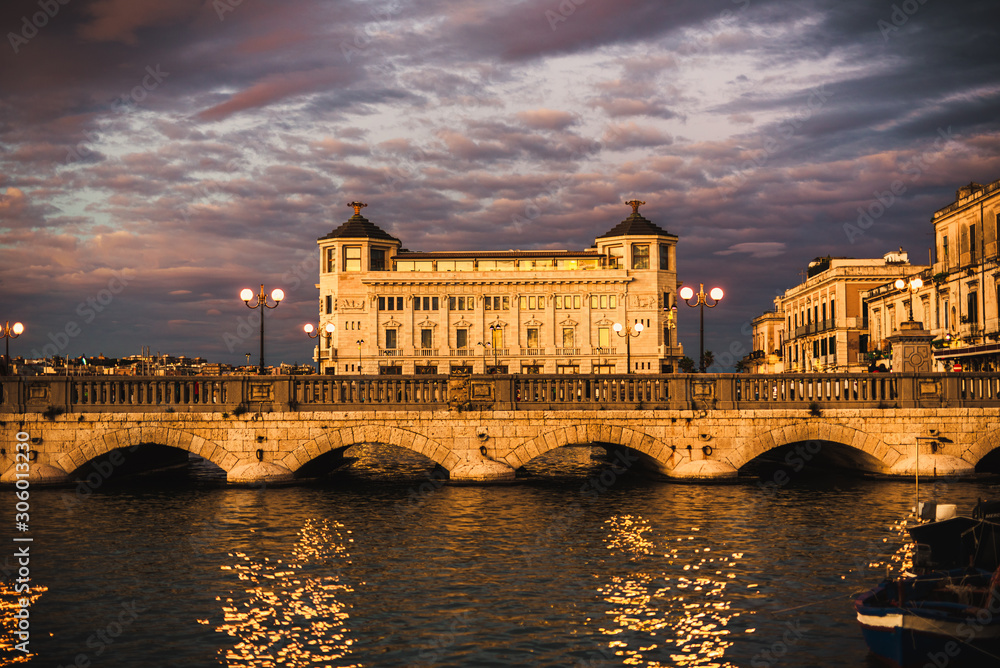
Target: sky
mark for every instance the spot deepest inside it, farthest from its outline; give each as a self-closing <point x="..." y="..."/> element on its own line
<point x="157" y="156"/>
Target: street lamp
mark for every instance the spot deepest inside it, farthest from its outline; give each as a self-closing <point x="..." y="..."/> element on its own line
<point x="493" y="343"/>
<point x="328" y="330"/>
<point x="628" y="333"/>
<point x="912" y="285"/>
<point x="277" y="295"/>
<point x="359" y="342"/>
<point x="686" y="294"/>
<point x="8" y="332"/>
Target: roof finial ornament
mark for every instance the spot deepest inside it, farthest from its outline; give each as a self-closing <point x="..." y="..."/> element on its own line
<point x="357" y="207"/>
<point x="635" y="204"/>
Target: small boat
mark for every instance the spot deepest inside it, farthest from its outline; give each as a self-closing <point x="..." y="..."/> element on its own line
<point x="936" y="619"/>
<point x="948" y="613"/>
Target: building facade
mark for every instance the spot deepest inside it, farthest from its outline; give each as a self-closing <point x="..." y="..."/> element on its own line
<point x="824" y="318"/>
<point x="958" y="301"/>
<point x="768" y="354"/>
<point x="401" y="312"/>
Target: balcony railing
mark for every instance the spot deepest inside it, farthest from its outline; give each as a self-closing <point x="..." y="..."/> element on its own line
<point x="425" y="352"/>
<point x="390" y="352"/>
<point x="567" y="351"/>
<point x="532" y="352"/>
<point x="602" y="351"/>
<point x="464" y="352"/>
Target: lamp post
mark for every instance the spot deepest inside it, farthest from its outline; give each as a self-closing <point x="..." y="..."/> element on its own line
<point x="359" y="342"/>
<point x="628" y="331"/>
<point x="911" y="285"/>
<point x="277" y="295"/>
<point x="8" y="332"/>
<point x="328" y="330"/>
<point x="686" y="294"/>
<point x="493" y="343"/>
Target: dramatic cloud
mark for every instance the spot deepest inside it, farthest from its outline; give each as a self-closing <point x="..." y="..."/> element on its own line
<point x="181" y="150"/>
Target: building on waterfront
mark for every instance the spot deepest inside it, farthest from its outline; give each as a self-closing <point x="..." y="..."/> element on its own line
<point x="958" y="301"/>
<point x="519" y="311"/>
<point x="825" y="325"/>
<point x="768" y="354"/>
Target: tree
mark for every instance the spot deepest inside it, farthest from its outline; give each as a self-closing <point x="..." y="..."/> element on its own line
<point x="742" y="366"/>
<point x="708" y="359"/>
<point x="686" y="364"/>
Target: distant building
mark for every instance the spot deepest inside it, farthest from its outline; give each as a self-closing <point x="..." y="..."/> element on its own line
<point x="958" y="302"/>
<point x="537" y="311"/>
<point x="825" y="321"/>
<point x="768" y="354"/>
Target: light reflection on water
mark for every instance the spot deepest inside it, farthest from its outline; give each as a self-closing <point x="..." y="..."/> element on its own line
<point x="382" y="565"/>
<point x="294" y="615"/>
<point x="684" y="615"/>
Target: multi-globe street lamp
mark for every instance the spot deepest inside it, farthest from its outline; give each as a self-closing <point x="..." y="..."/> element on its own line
<point x="359" y="342"/>
<point x="911" y="285"/>
<point x="8" y="332"/>
<point x="628" y="331"/>
<point x="716" y="294"/>
<point x="327" y="331"/>
<point x="277" y="295"/>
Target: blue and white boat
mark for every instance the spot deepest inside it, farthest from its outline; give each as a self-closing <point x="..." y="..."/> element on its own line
<point x="949" y="613"/>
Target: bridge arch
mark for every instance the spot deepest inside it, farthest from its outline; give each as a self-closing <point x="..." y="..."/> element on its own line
<point x="142" y="434"/>
<point x="982" y="446"/>
<point x="345" y="437"/>
<point x="867" y="452"/>
<point x="584" y="434"/>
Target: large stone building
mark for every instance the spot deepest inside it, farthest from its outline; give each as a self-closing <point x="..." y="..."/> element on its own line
<point x="824" y="323"/>
<point x="540" y="311"/>
<point x="958" y="301"/>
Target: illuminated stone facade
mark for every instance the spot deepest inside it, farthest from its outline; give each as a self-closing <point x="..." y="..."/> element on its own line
<point x="403" y="312"/>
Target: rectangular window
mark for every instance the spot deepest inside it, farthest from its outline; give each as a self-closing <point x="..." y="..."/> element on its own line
<point x="604" y="337"/>
<point x="329" y="304"/>
<point x="558" y="301"/>
<point x="944" y="248"/>
<point x="531" y="303"/>
<point x="567" y="337"/>
<point x="946" y="320"/>
<point x="576" y="301"/>
<point x="352" y="258"/>
<point x="331" y="260"/>
<point x="381" y="303"/>
<point x="822" y="347"/>
<point x="664" y="257"/>
<point x="604" y="301"/>
<point x="390" y="339"/>
<point x="833" y="313"/>
<point x="972" y="242"/>
<point x="461" y="338"/>
<point x="640" y="256"/>
<point x="616" y="257"/>
<point x="863" y="344"/>
<point x="426" y="338"/>
<point x="532" y="337"/>
<point x="973" y="307"/>
<point x="815" y="348"/>
<point x="824" y="312"/>
<point x="496" y="337"/>
<point x="377" y="259"/>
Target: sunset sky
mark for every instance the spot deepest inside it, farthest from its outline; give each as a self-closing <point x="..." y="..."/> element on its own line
<point x="156" y="156"/>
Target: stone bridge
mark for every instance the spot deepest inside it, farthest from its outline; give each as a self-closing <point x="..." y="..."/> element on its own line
<point x="483" y="428"/>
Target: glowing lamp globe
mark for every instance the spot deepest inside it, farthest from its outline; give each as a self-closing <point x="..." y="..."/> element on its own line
<point x="330" y="327"/>
<point x="617" y="327"/>
<point x="18" y="328"/>
<point x="686" y="293"/>
<point x="900" y="284"/>
<point x="308" y="328"/>
<point x="916" y="283"/>
<point x="278" y="294"/>
<point x="246" y="295"/>
<point x="716" y="294"/>
<point x="638" y="327"/>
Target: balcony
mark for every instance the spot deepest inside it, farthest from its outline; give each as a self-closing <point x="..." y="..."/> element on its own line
<point x="814" y="327"/>
<point x="463" y="352"/>
<point x="391" y="352"/>
<point x="425" y="352"/>
<point x="568" y="351"/>
<point x="602" y="351"/>
<point x="532" y="352"/>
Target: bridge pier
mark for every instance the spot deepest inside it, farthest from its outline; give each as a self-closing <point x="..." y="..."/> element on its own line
<point x="257" y="473"/>
<point x="38" y="474"/>
<point x="932" y="465"/>
<point x="481" y="471"/>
